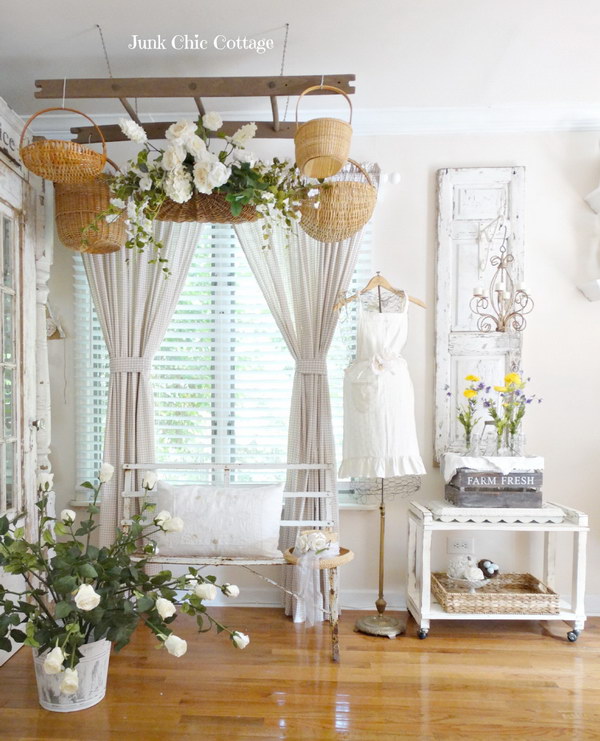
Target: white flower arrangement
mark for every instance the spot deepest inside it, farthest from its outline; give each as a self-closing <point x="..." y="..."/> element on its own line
<point x="187" y="166"/>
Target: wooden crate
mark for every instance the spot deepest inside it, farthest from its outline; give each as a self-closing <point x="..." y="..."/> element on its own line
<point x="470" y="488"/>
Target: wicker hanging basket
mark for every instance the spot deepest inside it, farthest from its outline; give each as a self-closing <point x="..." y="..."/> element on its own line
<point x="323" y="144"/>
<point x="205" y="209"/>
<point x="62" y="161"/>
<point x="344" y="207"/>
<point x="76" y="207"/>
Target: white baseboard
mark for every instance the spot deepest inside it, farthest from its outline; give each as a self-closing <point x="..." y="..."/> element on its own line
<point x="350" y="599"/>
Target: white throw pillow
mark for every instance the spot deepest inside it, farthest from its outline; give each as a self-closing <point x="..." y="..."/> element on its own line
<point x="236" y="521"/>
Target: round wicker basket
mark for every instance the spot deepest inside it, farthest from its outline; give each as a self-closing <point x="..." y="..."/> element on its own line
<point x="323" y="144"/>
<point x="332" y="562"/>
<point x="62" y="161"/>
<point x="76" y="205"/>
<point x="344" y="207"/>
<point x="202" y="208"/>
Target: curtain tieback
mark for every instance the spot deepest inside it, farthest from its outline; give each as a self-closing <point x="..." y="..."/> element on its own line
<point x="130" y="365"/>
<point x="312" y="367"/>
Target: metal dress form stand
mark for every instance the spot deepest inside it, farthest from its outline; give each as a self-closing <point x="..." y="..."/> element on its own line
<point x="380" y="624"/>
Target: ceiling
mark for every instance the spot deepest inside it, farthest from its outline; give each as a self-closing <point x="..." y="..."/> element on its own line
<point x="410" y="57"/>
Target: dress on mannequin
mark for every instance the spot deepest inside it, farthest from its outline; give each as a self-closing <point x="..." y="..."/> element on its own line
<point x="380" y="437"/>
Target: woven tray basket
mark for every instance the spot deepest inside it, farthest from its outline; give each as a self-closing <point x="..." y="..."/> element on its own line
<point x="76" y="205"/>
<point x="323" y="144"/>
<point x="62" y="161"/>
<point x="344" y="208"/>
<point x="205" y="209"/>
<point x="507" y="594"/>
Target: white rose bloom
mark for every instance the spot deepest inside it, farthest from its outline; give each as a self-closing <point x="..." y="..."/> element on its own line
<point x="206" y="591"/>
<point x="231" y="590"/>
<point x="212" y="121"/>
<point x="243" y="135"/>
<point x="195" y="146"/>
<point x="165" y="607"/>
<point x="70" y="682"/>
<point x="240" y="640"/>
<point x="173" y="156"/>
<point x="201" y="175"/>
<point x="86" y="598"/>
<point x="53" y="663"/>
<point x="145" y="182"/>
<point x="149" y="480"/>
<point x="67" y="516"/>
<point x="175" y="646"/>
<point x="178" y="185"/>
<point x="133" y="131"/>
<point x="162" y="517"/>
<point x="106" y="473"/>
<point x="117" y="202"/>
<point x="174" y="525"/>
<point x="181" y="131"/>
<point x="219" y="174"/>
<point x="45" y="481"/>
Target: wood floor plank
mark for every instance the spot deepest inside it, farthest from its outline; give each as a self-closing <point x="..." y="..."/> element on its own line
<point x="467" y="681"/>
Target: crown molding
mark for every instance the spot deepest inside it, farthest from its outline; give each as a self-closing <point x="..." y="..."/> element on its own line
<point x="505" y="119"/>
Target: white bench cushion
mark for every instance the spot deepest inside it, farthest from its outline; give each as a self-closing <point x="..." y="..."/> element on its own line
<point x="236" y="521"/>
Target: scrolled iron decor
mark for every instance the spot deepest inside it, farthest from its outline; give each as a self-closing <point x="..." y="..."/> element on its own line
<point x="505" y="306"/>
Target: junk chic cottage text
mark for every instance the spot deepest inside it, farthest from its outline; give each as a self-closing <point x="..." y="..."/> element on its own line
<point x="193" y="42"/>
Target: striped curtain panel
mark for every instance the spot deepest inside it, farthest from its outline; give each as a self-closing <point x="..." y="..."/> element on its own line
<point x="134" y="303"/>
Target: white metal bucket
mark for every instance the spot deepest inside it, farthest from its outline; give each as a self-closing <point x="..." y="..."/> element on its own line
<point x="92" y="671"/>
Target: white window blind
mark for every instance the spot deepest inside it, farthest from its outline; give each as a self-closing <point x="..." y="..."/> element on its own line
<point x="223" y="375"/>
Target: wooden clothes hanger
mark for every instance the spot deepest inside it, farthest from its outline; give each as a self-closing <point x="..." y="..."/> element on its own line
<point x="375" y="282"/>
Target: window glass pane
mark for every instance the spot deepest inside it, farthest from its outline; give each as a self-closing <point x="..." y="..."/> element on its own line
<point x="7" y="242"/>
<point x="8" y="340"/>
<point x="10" y="473"/>
<point x="8" y="402"/>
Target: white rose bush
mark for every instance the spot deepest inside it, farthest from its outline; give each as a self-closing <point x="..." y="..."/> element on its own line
<point x="78" y="593"/>
<point x="187" y="166"/>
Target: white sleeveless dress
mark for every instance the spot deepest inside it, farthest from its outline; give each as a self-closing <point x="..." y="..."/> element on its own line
<point x="380" y="437"/>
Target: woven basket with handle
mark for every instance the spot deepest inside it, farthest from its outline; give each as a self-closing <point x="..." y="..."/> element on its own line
<point x="323" y="144"/>
<point x="62" y="161"/>
<point x="76" y="206"/>
<point x="344" y="207"/>
<point x="206" y="209"/>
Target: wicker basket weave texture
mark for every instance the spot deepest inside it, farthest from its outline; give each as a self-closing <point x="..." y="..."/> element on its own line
<point x="344" y="208"/>
<point x="322" y="144"/>
<point x="76" y="206"/>
<point x="62" y="161"/>
<point x="506" y="594"/>
<point x="202" y="208"/>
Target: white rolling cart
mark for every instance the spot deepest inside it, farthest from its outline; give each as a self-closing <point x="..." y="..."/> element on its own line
<point x="424" y="520"/>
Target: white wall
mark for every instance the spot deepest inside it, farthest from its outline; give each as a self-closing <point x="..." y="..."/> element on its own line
<point x="561" y="350"/>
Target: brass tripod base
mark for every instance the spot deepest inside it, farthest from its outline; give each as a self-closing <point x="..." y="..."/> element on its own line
<point x="380" y="625"/>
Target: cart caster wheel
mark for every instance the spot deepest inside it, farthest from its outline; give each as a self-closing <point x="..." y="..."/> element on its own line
<point x="573" y="635"/>
<point x="422" y="634"/>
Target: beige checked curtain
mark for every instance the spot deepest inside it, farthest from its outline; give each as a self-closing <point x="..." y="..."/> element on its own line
<point x="301" y="280"/>
<point x="134" y="302"/>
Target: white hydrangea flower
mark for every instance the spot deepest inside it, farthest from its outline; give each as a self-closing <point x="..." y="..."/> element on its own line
<point x="145" y="182"/>
<point x="178" y="185"/>
<point x="117" y="203"/>
<point x="212" y="121"/>
<point x="133" y="131"/>
<point x="243" y="135"/>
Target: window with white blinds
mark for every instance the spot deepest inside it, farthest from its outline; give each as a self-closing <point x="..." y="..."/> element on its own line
<point x="223" y="375"/>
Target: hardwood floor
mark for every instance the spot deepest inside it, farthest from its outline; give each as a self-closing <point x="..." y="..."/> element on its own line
<point x="485" y="680"/>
